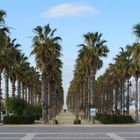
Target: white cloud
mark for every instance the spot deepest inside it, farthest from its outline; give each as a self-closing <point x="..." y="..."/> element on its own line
<point x="68" y="9"/>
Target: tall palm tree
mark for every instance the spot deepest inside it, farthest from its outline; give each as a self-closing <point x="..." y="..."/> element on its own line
<point x="21" y="68"/>
<point x="136" y="64"/>
<point x="15" y="61"/>
<point x="9" y="52"/>
<point x="3" y="42"/>
<point x="122" y="60"/>
<point x="46" y="46"/>
<point x="95" y="49"/>
<point x="135" y="71"/>
<point x="56" y="84"/>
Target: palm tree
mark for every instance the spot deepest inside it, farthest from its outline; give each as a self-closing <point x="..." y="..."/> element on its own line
<point x="15" y="61"/>
<point x="122" y="60"/>
<point x="135" y="71"/>
<point x="94" y="51"/>
<point x="56" y="84"/>
<point x="9" y="51"/>
<point x="21" y="68"/>
<point x="46" y="46"/>
<point x="136" y="64"/>
<point x="3" y="42"/>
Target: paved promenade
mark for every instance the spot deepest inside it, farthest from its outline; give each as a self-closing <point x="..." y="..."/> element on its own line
<point x="67" y="118"/>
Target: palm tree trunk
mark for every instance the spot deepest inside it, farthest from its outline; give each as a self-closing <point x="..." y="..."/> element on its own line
<point x="0" y="94"/>
<point x="49" y="101"/>
<point x="128" y="92"/>
<point x="44" y="97"/>
<point x="54" y="102"/>
<point x="6" y="90"/>
<point x="136" y="99"/>
<point x="39" y="100"/>
<point x="103" y="100"/>
<point x="22" y="91"/>
<point x="92" y="89"/>
<point x="111" y="99"/>
<point x="29" y="94"/>
<point x="6" y="86"/>
<point x="84" y="98"/>
<point x="57" y="103"/>
<point x="35" y="99"/>
<point x="89" y="91"/>
<point x="19" y="88"/>
<point x="77" y="103"/>
<point x="13" y="88"/>
<point x="116" y="100"/>
<point x="33" y="96"/>
<point x="121" y="97"/>
<point x="81" y="97"/>
<point x="26" y="93"/>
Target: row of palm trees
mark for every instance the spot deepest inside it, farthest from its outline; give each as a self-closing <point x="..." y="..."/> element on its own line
<point x="43" y="87"/>
<point x="82" y="91"/>
<point x="16" y="69"/>
<point x="111" y="93"/>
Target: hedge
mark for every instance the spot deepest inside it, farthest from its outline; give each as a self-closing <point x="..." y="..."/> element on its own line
<point x="18" y="120"/>
<point x="114" y="119"/>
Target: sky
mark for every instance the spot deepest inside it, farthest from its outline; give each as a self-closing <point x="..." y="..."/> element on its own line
<point x="73" y="18"/>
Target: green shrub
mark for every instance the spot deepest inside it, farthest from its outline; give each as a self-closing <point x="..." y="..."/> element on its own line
<point x="16" y="105"/>
<point x="98" y="116"/>
<point x="33" y="111"/>
<point x="23" y="112"/>
<point x="18" y="120"/>
<point x="77" y="121"/>
<point x="108" y="119"/>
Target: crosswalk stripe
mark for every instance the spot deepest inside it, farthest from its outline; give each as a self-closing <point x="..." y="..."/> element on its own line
<point x="115" y="136"/>
<point x="29" y="136"/>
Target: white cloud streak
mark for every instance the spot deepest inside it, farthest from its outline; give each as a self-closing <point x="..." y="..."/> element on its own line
<point x="68" y="9"/>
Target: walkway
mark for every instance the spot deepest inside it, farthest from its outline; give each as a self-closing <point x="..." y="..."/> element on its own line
<point x="67" y="118"/>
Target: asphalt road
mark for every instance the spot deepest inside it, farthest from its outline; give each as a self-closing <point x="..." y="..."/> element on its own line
<point x="130" y="132"/>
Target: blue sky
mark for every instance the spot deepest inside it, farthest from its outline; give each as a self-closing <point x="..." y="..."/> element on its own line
<point x="73" y="18"/>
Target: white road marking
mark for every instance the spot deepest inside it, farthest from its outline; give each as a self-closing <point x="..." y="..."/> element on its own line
<point x="115" y="136"/>
<point x="75" y="133"/>
<point x="11" y="138"/>
<point x="28" y="136"/>
<point x="72" y="138"/>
